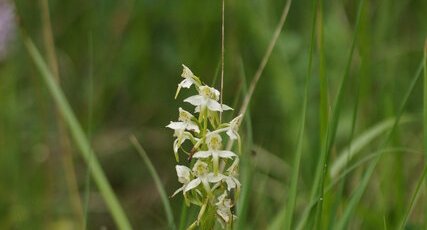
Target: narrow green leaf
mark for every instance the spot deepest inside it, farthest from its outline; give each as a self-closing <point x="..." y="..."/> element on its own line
<point x="157" y="181"/>
<point x="423" y="176"/>
<point x="364" y="182"/>
<point x="80" y="138"/>
<point x="363" y="140"/>
<point x="298" y="154"/>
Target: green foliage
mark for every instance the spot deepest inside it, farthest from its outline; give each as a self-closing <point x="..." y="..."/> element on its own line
<point x="124" y="85"/>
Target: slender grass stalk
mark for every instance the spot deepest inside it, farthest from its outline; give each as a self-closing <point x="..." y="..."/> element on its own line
<point x="322" y="167"/>
<point x="425" y="122"/>
<point x="222" y="56"/>
<point x="348" y="170"/>
<point x="247" y="175"/>
<point x="338" y="197"/>
<point x="157" y="181"/>
<point x="64" y="140"/>
<point x="246" y="169"/>
<point x="422" y="179"/>
<point x="298" y="154"/>
<point x="266" y="57"/>
<point x="184" y="214"/>
<point x="89" y="134"/>
<point x="80" y="138"/>
<point x="363" y="140"/>
<point x="324" y="97"/>
<point x="364" y="182"/>
<point x="263" y="63"/>
<point x="414" y="198"/>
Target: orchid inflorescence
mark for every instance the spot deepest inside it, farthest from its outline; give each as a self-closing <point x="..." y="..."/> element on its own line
<point x="210" y="181"/>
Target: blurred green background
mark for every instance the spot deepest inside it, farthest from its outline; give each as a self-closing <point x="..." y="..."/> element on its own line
<point x="119" y="65"/>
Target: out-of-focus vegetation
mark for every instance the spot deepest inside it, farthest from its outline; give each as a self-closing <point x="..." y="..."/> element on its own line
<point x="119" y="63"/>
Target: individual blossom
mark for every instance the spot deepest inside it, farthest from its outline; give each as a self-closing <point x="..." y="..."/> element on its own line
<point x="186" y="122"/>
<point x="214" y="143"/>
<point x="231" y="180"/>
<point x="233" y="127"/>
<point x="184" y="177"/>
<point x="189" y="79"/>
<point x="203" y="176"/>
<point x="223" y="209"/>
<point x="208" y="98"/>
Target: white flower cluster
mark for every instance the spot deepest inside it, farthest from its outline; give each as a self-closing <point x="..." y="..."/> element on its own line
<point x="211" y="180"/>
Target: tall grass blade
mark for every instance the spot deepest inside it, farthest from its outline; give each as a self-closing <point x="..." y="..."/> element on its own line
<point x="63" y="136"/>
<point x="425" y="122"/>
<point x="157" y="181"/>
<point x="339" y="178"/>
<point x="246" y="170"/>
<point x="297" y="158"/>
<point x="80" y="138"/>
<point x="266" y="57"/>
<point x="338" y="198"/>
<point x="183" y="217"/>
<point x="364" y="182"/>
<point x="322" y="167"/>
<point x="414" y="198"/>
<point x="363" y="140"/>
<point x="423" y="176"/>
<point x="324" y="98"/>
<point x="89" y="134"/>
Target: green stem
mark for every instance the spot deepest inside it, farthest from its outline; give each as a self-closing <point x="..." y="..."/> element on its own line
<point x="80" y="138"/>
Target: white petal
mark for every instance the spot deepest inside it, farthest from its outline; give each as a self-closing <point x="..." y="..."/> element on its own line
<point x="194" y="183"/>
<point x="223" y="214"/>
<point x="183" y="173"/>
<point x="214" y="179"/>
<point x="202" y="154"/>
<point x="213" y="105"/>
<point x="226" y="154"/>
<point x="197" y="109"/>
<point x="177" y="191"/>
<point x="231" y="134"/>
<point x="176" y="125"/>
<point x="215" y="92"/>
<point x="186" y="83"/>
<point x="193" y="126"/>
<point x="175" y="146"/>
<point x="196" y="100"/>
<point x="186" y="72"/>
<point x="226" y="107"/>
<point x="236" y="121"/>
<point x="232" y="183"/>
<point x="237" y="182"/>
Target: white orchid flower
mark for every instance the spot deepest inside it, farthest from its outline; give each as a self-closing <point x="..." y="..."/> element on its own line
<point x="189" y="79"/>
<point x="186" y="122"/>
<point x="203" y="176"/>
<point x="233" y="127"/>
<point x="223" y="209"/>
<point x="231" y="180"/>
<point x="208" y="98"/>
<point x="214" y="144"/>
<point x="184" y="174"/>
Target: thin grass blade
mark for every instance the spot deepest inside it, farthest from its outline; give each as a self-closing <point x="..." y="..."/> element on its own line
<point x="298" y="154"/>
<point x="364" y="182"/>
<point x="362" y="141"/>
<point x="80" y="138"/>
<point x="322" y="167"/>
<point x="157" y="181"/>
<point x="423" y="176"/>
